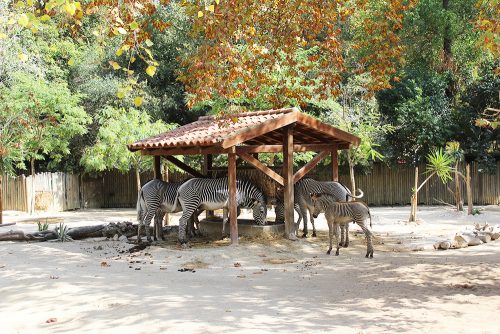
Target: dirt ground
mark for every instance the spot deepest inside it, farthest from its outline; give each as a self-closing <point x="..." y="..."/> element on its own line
<point x="260" y="286"/>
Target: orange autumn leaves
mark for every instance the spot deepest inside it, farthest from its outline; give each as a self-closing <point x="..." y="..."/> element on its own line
<point x="298" y="48"/>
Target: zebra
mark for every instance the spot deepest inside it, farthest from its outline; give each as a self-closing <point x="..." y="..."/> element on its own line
<point x="156" y="198"/>
<point x="340" y="213"/>
<point x="213" y="194"/>
<point x="302" y="203"/>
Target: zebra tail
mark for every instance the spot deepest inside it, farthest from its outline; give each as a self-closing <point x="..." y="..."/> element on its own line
<point x="361" y="194"/>
<point x="140" y="200"/>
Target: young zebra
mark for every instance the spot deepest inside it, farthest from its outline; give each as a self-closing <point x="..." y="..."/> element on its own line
<point x="338" y="213"/>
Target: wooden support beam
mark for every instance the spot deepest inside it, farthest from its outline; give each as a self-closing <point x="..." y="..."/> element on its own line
<point x="335" y="164"/>
<point x="288" y="182"/>
<point x="309" y="166"/>
<point x="243" y="149"/>
<point x="263" y="168"/>
<point x="184" y="167"/>
<point x="231" y="178"/>
<point x="157" y="168"/>
<point x="207" y="170"/>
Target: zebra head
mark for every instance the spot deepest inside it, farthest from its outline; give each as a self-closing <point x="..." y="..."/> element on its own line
<point x="318" y="205"/>
<point x="259" y="209"/>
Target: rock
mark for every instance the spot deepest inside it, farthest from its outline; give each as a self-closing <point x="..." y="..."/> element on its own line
<point x="123" y="238"/>
<point x="484" y="237"/>
<point x="115" y="237"/>
<point x="474" y="242"/>
<point x="444" y="245"/>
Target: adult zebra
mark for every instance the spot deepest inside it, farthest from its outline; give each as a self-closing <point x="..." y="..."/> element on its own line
<point x="302" y="191"/>
<point x="156" y="198"/>
<point x="213" y="194"/>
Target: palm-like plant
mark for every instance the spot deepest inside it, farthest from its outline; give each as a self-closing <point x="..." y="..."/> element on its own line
<point x="438" y="163"/>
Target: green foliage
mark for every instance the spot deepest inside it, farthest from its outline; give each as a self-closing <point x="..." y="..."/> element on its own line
<point x="420" y="113"/>
<point x="62" y="233"/>
<point x="49" y="112"/>
<point x="440" y="163"/>
<point x="42" y="227"/>
<point x="117" y="128"/>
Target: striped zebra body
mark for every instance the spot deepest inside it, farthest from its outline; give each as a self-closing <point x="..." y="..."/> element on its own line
<point x="303" y="203"/>
<point x="155" y="199"/>
<point x="213" y="194"/>
<point x="341" y="213"/>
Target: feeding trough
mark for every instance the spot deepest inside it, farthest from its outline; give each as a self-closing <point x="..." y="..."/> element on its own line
<point x="212" y="227"/>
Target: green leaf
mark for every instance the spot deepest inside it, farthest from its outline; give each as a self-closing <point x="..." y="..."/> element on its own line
<point x="115" y="65"/>
<point x="71" y="61"/>
<point x="23" y="20"/>
<point x="134" y="25"/>
<point x="151" y="70"/>
<point x="138" y="101"/>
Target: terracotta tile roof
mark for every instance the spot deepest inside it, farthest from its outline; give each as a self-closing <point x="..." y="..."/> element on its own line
<point x="207" y="132"/>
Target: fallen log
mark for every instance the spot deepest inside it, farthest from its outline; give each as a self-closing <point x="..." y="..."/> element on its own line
<point x="110" y="230"/>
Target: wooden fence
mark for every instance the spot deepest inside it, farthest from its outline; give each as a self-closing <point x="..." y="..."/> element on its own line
<point x="382" y="186"/>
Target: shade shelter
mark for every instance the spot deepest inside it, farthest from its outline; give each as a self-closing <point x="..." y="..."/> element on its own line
<point x="284" y="130"/>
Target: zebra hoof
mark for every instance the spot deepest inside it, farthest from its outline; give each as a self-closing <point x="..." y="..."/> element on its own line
<point x="304" y="235"/>
<point x="328" y="252"/>
<point x="314" y="234"/>
<point x="337" y="253"/>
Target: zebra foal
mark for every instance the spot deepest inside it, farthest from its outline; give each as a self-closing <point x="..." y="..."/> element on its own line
<point x="338" y="213"/>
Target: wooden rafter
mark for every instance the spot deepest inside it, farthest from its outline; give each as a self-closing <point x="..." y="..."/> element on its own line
<point x="263" y="168"/>
<point x="184" y="167"/>
<point x="310" y="165"/>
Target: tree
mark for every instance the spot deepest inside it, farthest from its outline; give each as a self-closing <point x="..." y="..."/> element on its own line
<point x="11" y="155"/>
<point x="356" y="112"/>
<point x="454" y="151"/>
<point x="247" y="46"/>
<point x="119" y="127"/>
<point x="438" y="163"/>
<point x="51" y="117"/>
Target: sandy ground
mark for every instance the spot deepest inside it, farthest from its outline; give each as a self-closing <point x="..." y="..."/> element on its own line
<point x="260" y="286"/>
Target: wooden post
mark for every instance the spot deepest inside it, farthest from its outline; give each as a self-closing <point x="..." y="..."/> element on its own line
<point x="207" y="170"/>
<point x="1" y="199"/>
<point x="335" y="163"/>
<point x="165" y="177"/>
<point x="414" y="199"/>
<point x="469" y="190"/>
<point x="288" y="182"/>
<point x="157" y="168"/>
<point x="231" y="176"/>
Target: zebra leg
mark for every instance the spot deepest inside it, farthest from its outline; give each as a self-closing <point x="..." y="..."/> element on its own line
<point x="187" y="213"/>
<point x="368" y="234"/>
<point x="312" y="222"/>
<point x="145" y="222"/>
<point x="330" y="235"/>
<point x="346" y="244"/>
<point x="342" y="233"/>
<point x="304" y="217"/>
<point x="337" y="228"/>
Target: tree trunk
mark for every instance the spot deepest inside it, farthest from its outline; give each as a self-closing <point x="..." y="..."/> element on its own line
<point x="469" y="191"/>
<point x="414" y="199"/>
<point x="32" y="199"/>
<point x="1" y="199"/>
<point x="458" y="192"/>
<point x="351" y="172"/>
<point x="138" y="179"/>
